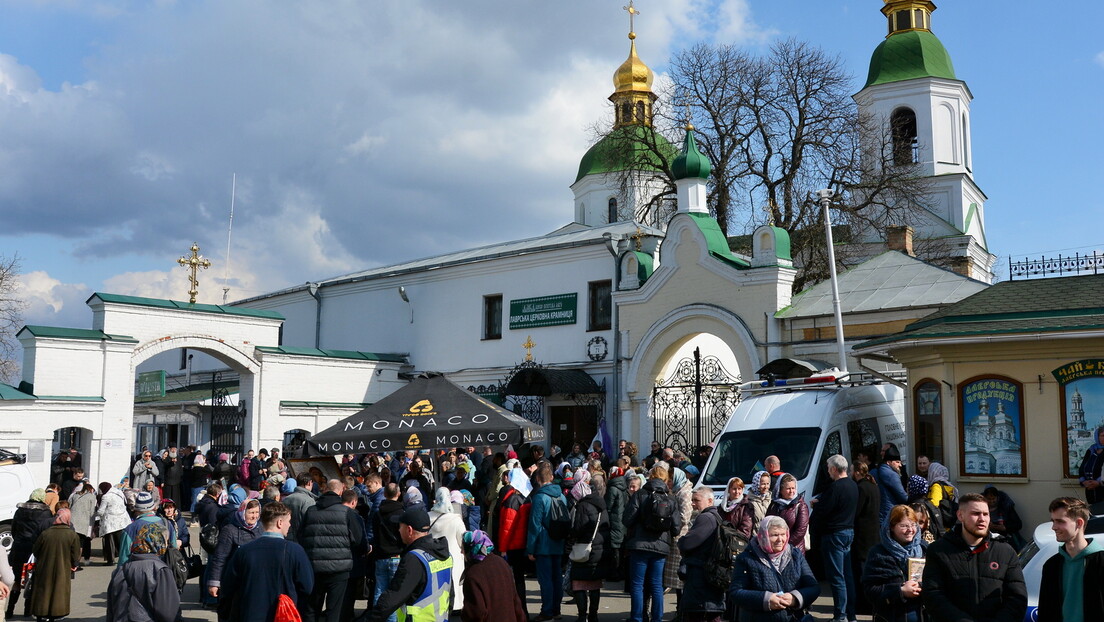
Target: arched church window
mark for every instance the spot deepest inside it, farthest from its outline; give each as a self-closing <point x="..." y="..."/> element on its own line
<point x="626" y="112"/>
<point x="640" y="111"/>
<point x="906" y="148"/>
<point x="965" y="141"/>
<point x="612" y="213"/>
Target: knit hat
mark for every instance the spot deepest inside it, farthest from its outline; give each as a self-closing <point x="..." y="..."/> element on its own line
<point x="416" y="517"/>
<point x="917" y="486"/>
<point x="144" y="502"/>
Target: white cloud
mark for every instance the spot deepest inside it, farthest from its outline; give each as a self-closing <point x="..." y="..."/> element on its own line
<point x="1100" y="59"/>
<point x="52" y="302"/>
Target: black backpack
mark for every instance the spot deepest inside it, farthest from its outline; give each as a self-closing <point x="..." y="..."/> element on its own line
<point x="208" y="538"/>
<point x="559" y="520"/>
<point x="948" y="506"/>
<point x="660" y="517"/>
<point x="727" y="544"/>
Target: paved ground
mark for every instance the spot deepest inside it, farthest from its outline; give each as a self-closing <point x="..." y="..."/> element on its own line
<point x="89" y="601"/>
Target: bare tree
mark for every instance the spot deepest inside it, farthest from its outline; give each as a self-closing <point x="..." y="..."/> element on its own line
<point x="776" y="128"/>
<point x="11" y="317"/>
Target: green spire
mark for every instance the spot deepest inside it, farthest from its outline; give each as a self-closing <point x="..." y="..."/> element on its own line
<point x="691" y="162"/>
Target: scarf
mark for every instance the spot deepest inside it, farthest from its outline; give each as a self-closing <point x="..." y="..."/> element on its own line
<point x="477" y="544"/>
<point x="730" y="503"/>
<point x="151" y="538"/>
<point x="241" y="514"/>
<point x="899" y="551"/>
<point x="412" y="497"/>
<point x="753" y="489"/>
<point x="466" y="496"/>
<point x="939" y="473"/>
<point x="582" y="484"/>
<point x="442" y="501"/>
<point x="520" y="481"/>
<point x="762" y="538"/>
<point x="64" y="517"/>
<point x="678" y="477"/>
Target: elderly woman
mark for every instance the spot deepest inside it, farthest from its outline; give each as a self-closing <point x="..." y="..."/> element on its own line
<point x="771" y="579"/>
<point x="486" y="574"/>
<point x="885" y="580"/>
<point x="701" y="602"/>
<point x="144" y="588"/>
<point x="82" y="504"/>
<point x="114" y="518"/>
<point x="32" y="517"/>
<point x="793" y="509"/>
<point x="445" y="522"/>
<point x="591" y="525"/>
<point x="56" y="552"/>
<point x="240" y="529"/>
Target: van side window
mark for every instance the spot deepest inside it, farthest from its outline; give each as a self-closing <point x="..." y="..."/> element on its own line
<point x="863" y="434"/>
<point x="832" y="445"/>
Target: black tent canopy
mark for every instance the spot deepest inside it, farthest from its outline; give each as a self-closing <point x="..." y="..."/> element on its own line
<point x="431" y="412"/>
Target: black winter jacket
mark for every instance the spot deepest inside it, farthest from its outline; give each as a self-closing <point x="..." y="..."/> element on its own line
<point x="1050" y="588"/>
<point x="385" y="530"/>
<point x="882" y="578"/>
<point x="207" y="508"/>
<point x="329" y="533"/>
<point x="232" y="535"/>
<point x="590" y="510"/>
<point x="696" y="547"/>
<point x="617" y="498"/>
<point x="30" y="520"/>
<point x="984" y="584"/>
<point x="642" y="539"/>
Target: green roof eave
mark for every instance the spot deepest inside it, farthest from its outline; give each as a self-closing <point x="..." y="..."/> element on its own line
<point x="645" y="265"/>
<point x="57" y="332"/>
<point x="716" y="241"/>
<point x="336" y="354"/>
<point x="909" y="55"/>
<point x="970" y="333"/>
<point x="8" y="392"/>
<point x="186" y="306"/>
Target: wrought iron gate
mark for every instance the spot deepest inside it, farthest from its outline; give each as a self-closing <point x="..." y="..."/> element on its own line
<point x="227" y="421"/>
<point x="691" y="407"/>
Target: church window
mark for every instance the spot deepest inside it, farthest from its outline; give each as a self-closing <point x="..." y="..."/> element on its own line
<point x="611" y="213"/>
<point x="928" y="420"/>
<point x="600" y="305"/>
<point x="626" y="112"/>
<point x="904" y="20"/>
<point x="492" y="316"/>
<point x="640" y="111"/>
<point x="906" y="148"/>
<point x="965" y="142"/>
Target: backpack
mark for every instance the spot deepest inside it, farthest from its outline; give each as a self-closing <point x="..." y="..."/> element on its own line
<point x="948" y="506"/>
<point x="660" y="516"/>
<point x="559" y="521"/>
<point x="178" y="565"/>
<point x="208" y="538"/>
<point x="727" y="544"/>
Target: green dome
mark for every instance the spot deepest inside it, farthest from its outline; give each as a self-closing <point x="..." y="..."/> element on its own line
<point x="691" y="162"/>
<point x="907" y="55"/>
<point x="626" y="148"/>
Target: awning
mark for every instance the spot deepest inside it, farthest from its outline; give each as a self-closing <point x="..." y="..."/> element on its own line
<point x="545" y="382"/>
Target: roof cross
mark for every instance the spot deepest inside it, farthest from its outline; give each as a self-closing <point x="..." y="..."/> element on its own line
<point x="528" y="345"/>
<point x="633" y="12"/>
<point x="193" y="264"/>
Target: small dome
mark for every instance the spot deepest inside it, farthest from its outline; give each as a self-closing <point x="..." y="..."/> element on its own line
<point x="626" y="148"/>
<point x="691" y="162"/>
<point x="907" y="55"/>
<point x="633" y="74"/>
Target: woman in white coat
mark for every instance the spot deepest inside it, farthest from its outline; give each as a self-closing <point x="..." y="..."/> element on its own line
<point x="113" y="517"/>
<point x="445" y="523"/>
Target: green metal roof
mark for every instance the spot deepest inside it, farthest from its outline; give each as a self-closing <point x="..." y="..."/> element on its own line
<point x="185" y="306"/>
<point x="716" y="240"/>
<point x="8" y="392"/>
<point x="645" y="265"/>
<point x="627" y="148"/>
<point x="58" y="332"/>
<point x="907" y="55"/>
<point x="336" y="354"/>
<point x="1014" y="307"/>
<point x="691" y="162"/>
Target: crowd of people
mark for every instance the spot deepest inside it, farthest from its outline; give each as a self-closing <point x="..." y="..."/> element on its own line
<point x="426" y="543"/>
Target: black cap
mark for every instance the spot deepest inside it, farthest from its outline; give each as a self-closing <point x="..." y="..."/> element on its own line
<point x="416" y="517"/>
<point x="891" y="453"/>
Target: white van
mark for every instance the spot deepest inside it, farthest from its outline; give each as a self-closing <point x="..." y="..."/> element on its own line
<point x="16" y="485"/>
<point x="803" y="424"/>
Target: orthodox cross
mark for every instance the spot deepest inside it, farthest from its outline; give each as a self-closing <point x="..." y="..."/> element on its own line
<point x="632" y="14"/>
<point x="528" y="345"/>
<point x="769" y="209"/>
<point x="637" y="237"/>
<point x="193" y="264"/>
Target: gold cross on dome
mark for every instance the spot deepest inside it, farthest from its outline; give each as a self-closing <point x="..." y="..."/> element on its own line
<point x="637" y="237"/>
<point x="633" y="12"/>
<point x="528" y="345"/>
<point x="193" y="264"/>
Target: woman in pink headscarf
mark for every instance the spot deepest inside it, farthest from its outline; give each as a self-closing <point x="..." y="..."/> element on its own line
<point x="591" y="525"/>
<point x="57" y="553"/>
<point x="772" y="580"/>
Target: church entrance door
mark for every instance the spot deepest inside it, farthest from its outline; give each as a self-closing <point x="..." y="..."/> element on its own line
<point x="691" y="406"/>
<point x="571" y="424"/>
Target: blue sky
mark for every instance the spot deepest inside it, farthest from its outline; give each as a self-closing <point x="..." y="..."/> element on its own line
<point x="366" y="133"/>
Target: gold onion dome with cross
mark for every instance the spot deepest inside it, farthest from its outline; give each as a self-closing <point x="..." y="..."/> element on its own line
<point x="632" y="84"/>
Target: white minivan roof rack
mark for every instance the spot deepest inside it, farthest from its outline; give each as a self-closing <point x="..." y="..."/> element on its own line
<point x="828" y="378"/>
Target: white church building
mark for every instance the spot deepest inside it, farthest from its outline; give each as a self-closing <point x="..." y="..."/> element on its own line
<point x="605" y="319"/>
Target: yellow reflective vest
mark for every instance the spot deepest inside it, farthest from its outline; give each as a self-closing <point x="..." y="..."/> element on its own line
<point x="433" y="604"/>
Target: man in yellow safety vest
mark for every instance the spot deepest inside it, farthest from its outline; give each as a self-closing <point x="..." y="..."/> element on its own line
<point x="422" y="585"/>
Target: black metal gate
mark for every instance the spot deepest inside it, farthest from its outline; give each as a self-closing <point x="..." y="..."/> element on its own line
<point x="691" y="407"/>
<point x="227" y="421"/>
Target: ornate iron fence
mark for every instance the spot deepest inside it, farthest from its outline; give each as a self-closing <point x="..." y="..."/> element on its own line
<point x="1061" y="265"/>
<point x="691" y="407"/>
<point x="227" y="421"/>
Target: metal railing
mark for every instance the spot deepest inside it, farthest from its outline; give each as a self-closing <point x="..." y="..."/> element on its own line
<point x="1056" y="266"/>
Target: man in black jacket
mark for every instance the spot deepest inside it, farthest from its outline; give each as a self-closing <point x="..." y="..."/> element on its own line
<point x="970" y="576"/>
<point x="329" y="533"/>
<point x="833" y="523"/>
<point x="423" y="580"/>
<point x="387" y="544"/>
<point x="1070" y="589"/>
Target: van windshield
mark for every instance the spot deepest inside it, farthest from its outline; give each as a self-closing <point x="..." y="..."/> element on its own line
<point x="737" y="452"/>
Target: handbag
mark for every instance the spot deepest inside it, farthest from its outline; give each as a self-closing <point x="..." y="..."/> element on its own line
<point x="194" y="563"/>
<point x="580" y="551"/>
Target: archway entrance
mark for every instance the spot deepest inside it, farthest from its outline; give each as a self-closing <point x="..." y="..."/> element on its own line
<point x="695" y="395"/>
<point x="68" y="452"/>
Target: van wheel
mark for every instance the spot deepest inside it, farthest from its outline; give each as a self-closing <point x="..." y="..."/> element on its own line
<point x="6" y="537"/>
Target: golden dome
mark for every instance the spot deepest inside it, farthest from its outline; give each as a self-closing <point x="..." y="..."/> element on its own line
<point x="633" y="74"/>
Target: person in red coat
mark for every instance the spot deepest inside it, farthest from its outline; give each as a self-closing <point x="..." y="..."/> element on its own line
<point x="511" y="524"/>
<point x="484" y="579"/>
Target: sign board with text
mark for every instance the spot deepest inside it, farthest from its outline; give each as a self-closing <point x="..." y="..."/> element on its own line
<point x="554" y="310"/>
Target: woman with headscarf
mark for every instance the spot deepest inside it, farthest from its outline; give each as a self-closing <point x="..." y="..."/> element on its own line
<point x="445" y="522"/>
<point x="412" y="497"/>
<point x="943" y="495"/>
<point x="144" y="588"/>
<point x="114" y="518"/>
<point x="243" y="527"/>
<point x="486" y="574"/>
<point x="57" y="553"/>
<point x="771" y="580"/>
<point x="681" y="490"/>
<point x="31" y="518"/>
<point x="759" y="498"/>
<point x="885" y="580"/>
<point x="793" y="509"/>
<point x="735" y="510"/>
<point x="511" y="522"/>
<point x="590" y="523"/>
<point x="931" y="523"/>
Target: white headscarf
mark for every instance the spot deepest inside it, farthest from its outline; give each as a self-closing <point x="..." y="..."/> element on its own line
<point x="442" y="501"/>
<point x="520" y="481"/>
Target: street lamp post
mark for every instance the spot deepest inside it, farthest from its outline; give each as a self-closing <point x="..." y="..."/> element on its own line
<point x="825" y="197"/>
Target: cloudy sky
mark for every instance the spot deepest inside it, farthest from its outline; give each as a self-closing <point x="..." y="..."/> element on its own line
<point x="369" y="132"/>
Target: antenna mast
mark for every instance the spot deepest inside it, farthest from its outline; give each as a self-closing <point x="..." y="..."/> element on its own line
<point x="229" y="231"/>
